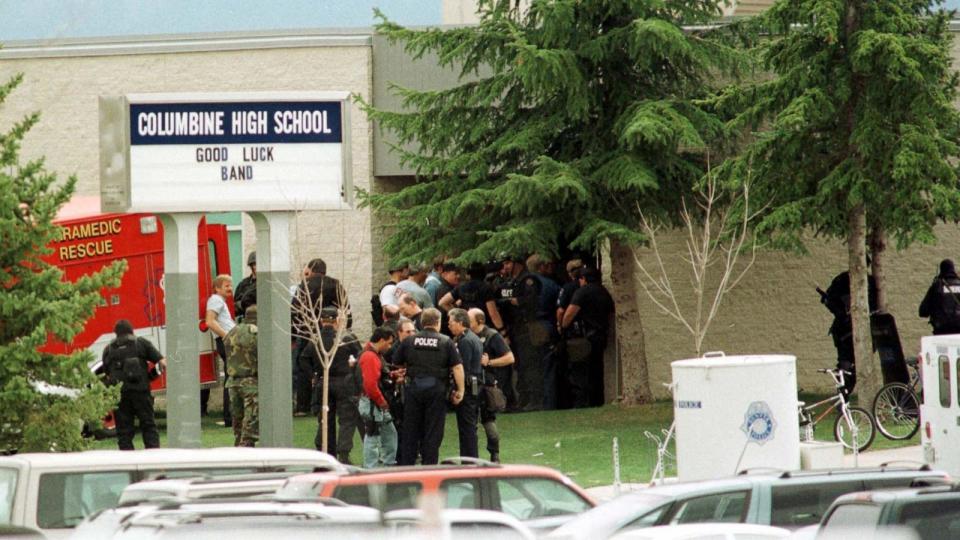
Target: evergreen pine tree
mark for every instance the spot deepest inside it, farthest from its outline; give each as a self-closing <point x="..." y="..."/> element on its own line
<point x="858" y="132"/>
<point x="36" y="304"/>
<point x="569" y="115"/>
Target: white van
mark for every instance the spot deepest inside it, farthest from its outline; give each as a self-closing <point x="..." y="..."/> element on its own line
<point x="940" y="407"/>
<point x="54" y="492"/>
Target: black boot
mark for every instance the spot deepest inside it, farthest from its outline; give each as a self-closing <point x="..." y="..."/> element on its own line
<point x="344" y="459"/>
<point x="495" y="457"/>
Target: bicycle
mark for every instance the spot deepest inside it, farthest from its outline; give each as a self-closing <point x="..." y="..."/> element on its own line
<point x="896" y="407"/>
<point x="853" y="426"/>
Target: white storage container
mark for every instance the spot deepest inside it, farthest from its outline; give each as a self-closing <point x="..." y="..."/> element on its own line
<point x="735" y="413"/>
<point x="818" y="455"/>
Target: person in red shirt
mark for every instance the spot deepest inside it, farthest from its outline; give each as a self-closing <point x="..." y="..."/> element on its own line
<point x="380" y="440"/>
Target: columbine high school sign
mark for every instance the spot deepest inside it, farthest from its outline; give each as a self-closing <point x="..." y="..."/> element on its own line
<point x="225" y="152"/>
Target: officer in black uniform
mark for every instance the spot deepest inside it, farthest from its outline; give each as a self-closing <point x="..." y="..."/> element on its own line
<point x="245" y="293"/>
<point x="507" y="288"/>
<point x="496" y="353"/>
<point x="837" y="300"/>
<point x="343" y="390"/>
<point x="430" y="357"/>
<point x="471" y="349"/>
<point x="942" y="301"/>
<point x="126" y="361"/>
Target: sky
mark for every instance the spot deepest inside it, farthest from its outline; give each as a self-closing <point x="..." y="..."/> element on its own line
<point x="61" y="19"/>
<point x="64" y="19"/>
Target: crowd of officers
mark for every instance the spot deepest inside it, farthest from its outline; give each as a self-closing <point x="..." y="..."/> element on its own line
<point x="488" y="340"/>
<point x="503" y="337"/>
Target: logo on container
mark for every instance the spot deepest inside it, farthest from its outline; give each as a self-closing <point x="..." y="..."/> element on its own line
<point x="758" y="423"/>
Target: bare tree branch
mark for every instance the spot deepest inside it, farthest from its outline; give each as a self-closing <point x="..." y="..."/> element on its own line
<point x="713" y="238"/>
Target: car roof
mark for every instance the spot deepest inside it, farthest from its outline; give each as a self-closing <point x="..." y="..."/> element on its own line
<point x="442" y="471"/>
<point x="883" y="496"/>
<point x="198" y="487"/>
<point x="698" y="530"/>
<point x="170" y="457"/>
<point x="257" y="507"/>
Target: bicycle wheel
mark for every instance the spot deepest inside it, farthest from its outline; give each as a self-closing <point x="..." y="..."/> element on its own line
<point x="865" y="430"/>
<point x="896" y="410"/>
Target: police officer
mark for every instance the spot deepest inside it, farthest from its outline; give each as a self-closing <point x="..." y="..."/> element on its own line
<point x="429" y="357"/>
<point x="507" y="288"/>
<point x="470" y="349"/>
<point x="837" y="300"/>
<point x="126" y="361"/>
<point x="245" y="293"/>
<point x="496" y="354"/>
<point x="942" y="301"/>
<point x="343" y="389"/>
<point x="591" y="309"/>
<point x="241" y="345"/>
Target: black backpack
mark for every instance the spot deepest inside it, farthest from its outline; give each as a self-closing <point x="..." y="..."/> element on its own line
<point x="376" y="308"/>
<point x="126" y="367"/>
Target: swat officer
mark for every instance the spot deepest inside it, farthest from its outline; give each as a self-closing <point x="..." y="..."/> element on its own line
<point x="245" y="293"/>
<point x="837" y="300"/>
<point x="942" y="301"/>
<point x="126" y="361"/>
<point x="343" y="388"/>
<point x="429" y="357"/>
<point x="241" y="345"/>
<point x="507" y="288"/>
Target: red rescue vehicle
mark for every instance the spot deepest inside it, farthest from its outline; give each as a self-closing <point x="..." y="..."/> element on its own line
<point x="91" y="240"/>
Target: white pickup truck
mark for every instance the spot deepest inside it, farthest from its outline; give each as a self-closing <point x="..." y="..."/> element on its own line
<point x="54" y="492"/>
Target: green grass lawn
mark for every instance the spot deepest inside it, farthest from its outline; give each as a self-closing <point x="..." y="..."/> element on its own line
<point x="585" y="437"/>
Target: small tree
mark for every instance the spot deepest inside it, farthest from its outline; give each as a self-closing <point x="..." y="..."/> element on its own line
<point x="717" y="232"/>
<point x="305" y="311"/>
<point x="44" y="398"/>
<point x="305" y="315"/>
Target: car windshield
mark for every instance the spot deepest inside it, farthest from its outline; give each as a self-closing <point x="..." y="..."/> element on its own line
<point x="933" y="519"/>
<point x="611" y="516"/>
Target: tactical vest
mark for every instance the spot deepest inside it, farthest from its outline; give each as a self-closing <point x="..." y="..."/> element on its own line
<point x="948" y="314"/>
<point x="471" y="295"/>
<point x="241" y="344"/>
<point x="126" y="367"/>
<point x="429" y="355"/>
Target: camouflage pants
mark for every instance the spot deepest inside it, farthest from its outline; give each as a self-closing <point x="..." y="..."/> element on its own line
<point x="245" y="409"/>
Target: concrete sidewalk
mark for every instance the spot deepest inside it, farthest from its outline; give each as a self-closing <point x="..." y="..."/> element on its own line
<point x="908" y="455"/>
<point x="893" y="456"/>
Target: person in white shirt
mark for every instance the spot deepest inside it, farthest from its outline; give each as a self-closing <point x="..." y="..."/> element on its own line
<point x="220" y="322"/>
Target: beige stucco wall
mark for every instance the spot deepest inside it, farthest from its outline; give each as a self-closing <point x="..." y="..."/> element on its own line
<point x="66" y="91"/>
<point x="776" y="309"/>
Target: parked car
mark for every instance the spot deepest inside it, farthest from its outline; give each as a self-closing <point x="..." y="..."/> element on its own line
<point x="456" y="523"/>
<point x="706" y="531"/>
<point x="789" y="499"/>
<point x="927" y="513"/>
<point x="219" y="519"/>
<point x="539" y="496"/>
<point x="54" y="492"/>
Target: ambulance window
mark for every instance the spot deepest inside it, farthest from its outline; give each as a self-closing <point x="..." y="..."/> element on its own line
<point x="212" y="247"/>
<point x="944" y="364"/>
